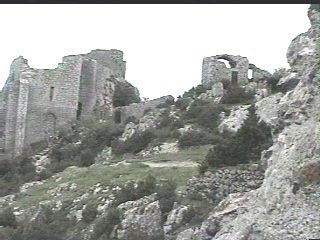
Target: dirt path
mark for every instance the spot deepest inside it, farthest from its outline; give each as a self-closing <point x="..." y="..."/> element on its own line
<point x="162" y="163"/>
<point x="171" y="164"/>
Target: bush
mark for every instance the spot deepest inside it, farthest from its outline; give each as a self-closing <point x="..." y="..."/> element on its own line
<point x="205" y="114"/>
<point x="194" y="91"/>
<point x="182" y="103"/>
<point x="131" y="190"/>
<point x="96" y="136"/>
<point x="147" y="110"/>
<point x="53" y="229"/>
<point x="106" y="223"/>
<point x="166" y="195"/>
<point x="124" y="94"/>
<point x="197" y="138"/>
<point x="132" y="119"/>
<point x="196" y="107"/>
<point x="89" y="213"/>
<point x="244" y="147"/>
<point x="236" y="94"/>
<point x="209" y="117"/>
<point x="7" y="218"/>
<point x="14" y="172"/>
<point x="135" y="144"/>
<point x="146" y="186"/>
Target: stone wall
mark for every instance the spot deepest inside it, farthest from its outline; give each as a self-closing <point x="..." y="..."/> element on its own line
<point x="214" y="70"/>
<point x="137" y="110"/>
<point x="36" y="103"/>
<point x="56" y="93"/>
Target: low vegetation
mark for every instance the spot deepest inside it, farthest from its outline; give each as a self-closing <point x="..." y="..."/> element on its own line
<point x="95" y="137"/>
<point x="243" y="147"/>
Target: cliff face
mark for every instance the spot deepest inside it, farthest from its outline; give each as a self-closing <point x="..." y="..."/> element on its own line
<point x="287" y="204"/>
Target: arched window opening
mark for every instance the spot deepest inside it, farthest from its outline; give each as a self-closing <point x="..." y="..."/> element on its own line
<point x="226" y="62"/>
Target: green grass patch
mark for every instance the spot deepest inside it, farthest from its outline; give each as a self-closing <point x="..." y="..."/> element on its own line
<point x="85" y="178"/>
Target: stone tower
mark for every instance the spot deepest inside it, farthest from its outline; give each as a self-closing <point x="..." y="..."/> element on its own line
<point x="35" y="103"/>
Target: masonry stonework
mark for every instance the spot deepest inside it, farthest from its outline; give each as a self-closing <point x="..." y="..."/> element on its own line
<point x="35" y="103"/>
<point x="214" y="70"/>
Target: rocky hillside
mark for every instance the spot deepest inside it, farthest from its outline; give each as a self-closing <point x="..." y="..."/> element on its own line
<point x="218" y="164"/>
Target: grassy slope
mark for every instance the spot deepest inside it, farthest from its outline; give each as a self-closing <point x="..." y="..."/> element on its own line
<point x="86" y="178"/>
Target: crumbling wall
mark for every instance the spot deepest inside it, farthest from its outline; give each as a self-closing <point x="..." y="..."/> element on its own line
<point x="36" y="103"/>
<point x="11" y="104"/>
<point x="87" y="91"/>
<point x="112" y="59"/>
<point x="258" y="74"/>
<point x="54" y="93"/>
<point x="137" y="110"/>
<point x="2" y="125"/>
<point x="22" y="107"/>
<point x="214" y="70"/>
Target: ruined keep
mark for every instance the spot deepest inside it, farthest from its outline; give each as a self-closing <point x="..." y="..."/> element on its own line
<point x="229" y="68"/>
<point x="36" y="102"/>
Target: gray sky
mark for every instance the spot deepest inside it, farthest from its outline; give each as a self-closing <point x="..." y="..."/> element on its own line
<point x="163" y="44"/>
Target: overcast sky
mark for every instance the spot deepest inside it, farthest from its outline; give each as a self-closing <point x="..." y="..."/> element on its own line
<point x="163" y="44"/>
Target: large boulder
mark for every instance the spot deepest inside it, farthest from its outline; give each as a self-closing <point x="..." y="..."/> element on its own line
<point x="141" y="220"/>
<point x="234" y="121"/>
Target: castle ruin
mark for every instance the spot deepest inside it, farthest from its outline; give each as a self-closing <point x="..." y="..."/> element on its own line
<point x="36" y="102"/>
<point x="229" y="68"/>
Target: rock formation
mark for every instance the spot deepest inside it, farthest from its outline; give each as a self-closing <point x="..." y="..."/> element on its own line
<point x="286" y="206"/>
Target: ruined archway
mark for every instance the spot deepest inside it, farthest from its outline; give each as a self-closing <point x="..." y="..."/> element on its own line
<point x="227" y="61"/>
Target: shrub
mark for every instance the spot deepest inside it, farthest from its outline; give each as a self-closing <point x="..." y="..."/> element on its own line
<point x="196" y="107"/>
<point x="166" y="195"/>
<point x="279" y="73"/>
<point x="147" y="110"/>
<point x="196" y="138"/>
<point x="132" y="119"/>
<point x="134" y="144"/>
<point x="89" y="213"/>
<point x="205" y="114"/>
<point x="244" y="147"/>
<point x="146" y="186"/>
<point x="53" y="229"/>
<point x="236" y="94"/>
<point x="131" y="190"/>
<point x="163" y="105"/>
<point x="7" y="218"/>
<point x="194" y="91"/>
<point x="124" y="94"/>
<point x="182" y="103"/>
<point x="106" y="223"/>
<point x="96" y="136"/>
<point x="209" y="117"/>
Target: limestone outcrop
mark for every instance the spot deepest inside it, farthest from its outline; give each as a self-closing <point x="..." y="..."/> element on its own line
<point x="286" y="205"/>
